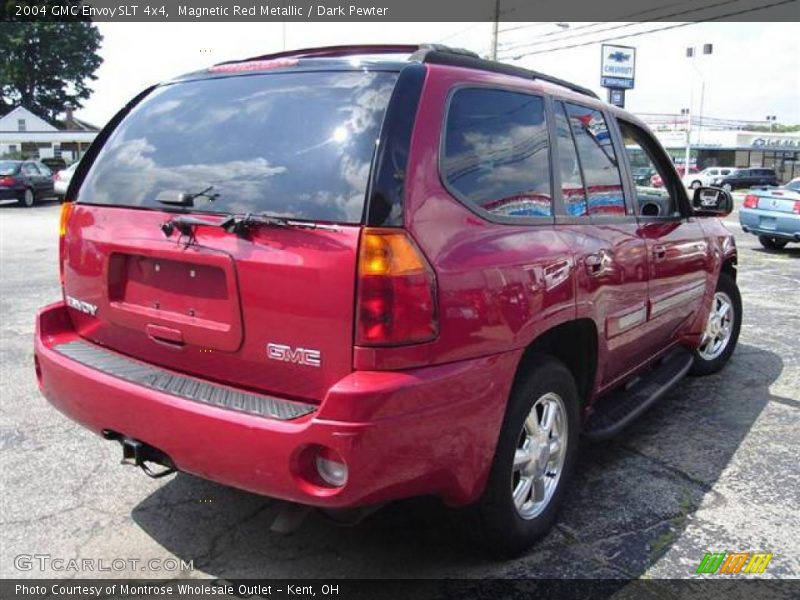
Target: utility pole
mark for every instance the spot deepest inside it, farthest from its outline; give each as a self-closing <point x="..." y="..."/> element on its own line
<point x="495" y="29"/>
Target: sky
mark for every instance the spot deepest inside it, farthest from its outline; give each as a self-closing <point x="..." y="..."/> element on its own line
<point x="754" y="70"/>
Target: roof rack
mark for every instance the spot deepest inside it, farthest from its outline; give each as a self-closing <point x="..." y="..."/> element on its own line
<point x="423" y="53"/>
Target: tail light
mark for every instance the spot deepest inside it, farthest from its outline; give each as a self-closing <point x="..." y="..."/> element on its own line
<point x="8" y="181"/>
<point x="66" y="211"/>
<point x="796" y="207"/>
<point x="396" y="291"/>
<point x="750" y="201"/>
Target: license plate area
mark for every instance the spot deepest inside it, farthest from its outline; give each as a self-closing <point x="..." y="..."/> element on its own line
<point x="195" y="295"/>
<point x="767" y="222"/>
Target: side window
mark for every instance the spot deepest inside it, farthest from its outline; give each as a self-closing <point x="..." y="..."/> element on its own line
<point x="598" y="161"/>
<point x="572" y="189"/>
<point x="30" y="169"/>
<point x="496" y="154"/>
<point x="642" y="150"/>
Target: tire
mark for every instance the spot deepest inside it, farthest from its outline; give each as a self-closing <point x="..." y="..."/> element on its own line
<point x="716" y="346"/>
<point x="27" y="198"/>
<point x="499" y="525"/>
<point x="772" y="243"/>
<point x="696" y="184"/>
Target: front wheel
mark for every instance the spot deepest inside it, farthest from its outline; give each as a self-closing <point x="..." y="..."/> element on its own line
<point x="772" y="243"/>
<point x="722" y="328"/>
<point x="533" y="462"/>
<point x="696" y="184"/>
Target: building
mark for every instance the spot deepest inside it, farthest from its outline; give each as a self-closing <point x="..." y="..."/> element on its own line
<point x="726" y="143"/>
<point x="24" y="133"/>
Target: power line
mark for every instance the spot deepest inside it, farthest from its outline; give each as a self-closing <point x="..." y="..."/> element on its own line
<point x="640" y="33"/>
<point x="460" y="31"/>
<point x="621" y="26"/>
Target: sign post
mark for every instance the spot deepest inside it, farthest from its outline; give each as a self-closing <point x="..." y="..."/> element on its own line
<point x="617" y="71"/>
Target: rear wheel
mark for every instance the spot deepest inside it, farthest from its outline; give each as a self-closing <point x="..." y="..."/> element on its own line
<point x="27" y="198"/>
<point x="727" y="187"/>
<point x="534" y="460"/>
<point x="772" y="243"/>
<point x="722" y="328"/>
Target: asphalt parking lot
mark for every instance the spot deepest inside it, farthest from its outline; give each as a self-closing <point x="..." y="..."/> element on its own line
<point x="713" y="467"/>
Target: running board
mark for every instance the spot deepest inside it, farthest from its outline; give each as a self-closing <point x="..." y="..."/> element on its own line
<point x="615" y="411"/>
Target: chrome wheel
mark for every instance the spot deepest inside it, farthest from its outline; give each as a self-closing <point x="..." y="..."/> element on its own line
<point x="695" y="185"/>
<point x="28" y="198"/>
<point x="727" y="187"/>
<point x="539" y="457"/>
<point x="719" y="327"/>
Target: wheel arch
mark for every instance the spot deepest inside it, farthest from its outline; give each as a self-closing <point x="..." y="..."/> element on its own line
<point x="574" y="343"/>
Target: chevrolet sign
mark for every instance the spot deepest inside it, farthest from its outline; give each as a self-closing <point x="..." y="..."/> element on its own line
<point x="617" y="66"/>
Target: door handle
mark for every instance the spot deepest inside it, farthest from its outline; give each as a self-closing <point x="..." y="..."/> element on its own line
<point x="166" y="336"/>
<point x="659" y="252"/>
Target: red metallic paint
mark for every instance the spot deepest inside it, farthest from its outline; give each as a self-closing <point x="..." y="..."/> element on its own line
<point x="409" y="420"/>
<point x="424" y="431"/>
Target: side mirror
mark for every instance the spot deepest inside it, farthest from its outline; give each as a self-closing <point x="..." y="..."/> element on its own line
<point x="712" y="202"/>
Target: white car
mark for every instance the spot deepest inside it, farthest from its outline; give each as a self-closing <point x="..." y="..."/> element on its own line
<point x="706" y="177"/>
<point x="62" y="178"/>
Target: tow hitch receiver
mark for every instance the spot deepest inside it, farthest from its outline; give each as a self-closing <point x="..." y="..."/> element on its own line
<point x="139" y="454"/>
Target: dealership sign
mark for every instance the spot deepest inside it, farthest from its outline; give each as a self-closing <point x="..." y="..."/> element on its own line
<point x="617" y="66"/>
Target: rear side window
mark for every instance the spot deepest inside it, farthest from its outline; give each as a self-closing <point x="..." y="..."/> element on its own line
<point x="598" y="161"/>
<point x="296" y="145"/>
<point x="496" y="153"/>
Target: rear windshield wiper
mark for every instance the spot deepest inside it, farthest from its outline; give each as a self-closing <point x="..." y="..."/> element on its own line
<point x="243" y="224"/>
<point x="239" y="224"/>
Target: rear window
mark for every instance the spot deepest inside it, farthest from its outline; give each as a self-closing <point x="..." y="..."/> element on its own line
<point x="296" y="145"/>
<point x="8" y="167"/>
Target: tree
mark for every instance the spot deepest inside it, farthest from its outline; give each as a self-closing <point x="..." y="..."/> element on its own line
<point x="46" y="66"/>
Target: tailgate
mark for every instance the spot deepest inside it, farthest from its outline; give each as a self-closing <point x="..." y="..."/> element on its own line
<point x="271" y="312"/>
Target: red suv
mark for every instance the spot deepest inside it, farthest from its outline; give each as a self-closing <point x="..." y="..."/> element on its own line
<point x="348" y="275"/>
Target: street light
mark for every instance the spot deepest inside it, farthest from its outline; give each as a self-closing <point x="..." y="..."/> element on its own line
<point x="691" y="53"/>
<point x="771" y="119"/>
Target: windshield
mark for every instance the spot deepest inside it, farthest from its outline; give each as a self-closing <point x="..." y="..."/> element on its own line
<point x="296" y="145"/>
<point x="8" y="167"/>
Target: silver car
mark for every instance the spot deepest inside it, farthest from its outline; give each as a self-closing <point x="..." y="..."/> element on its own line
<point x="62" y="178"/>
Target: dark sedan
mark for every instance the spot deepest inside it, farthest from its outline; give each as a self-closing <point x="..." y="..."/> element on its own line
<point x="25" y="181"/>
<point x="745" y="178"/>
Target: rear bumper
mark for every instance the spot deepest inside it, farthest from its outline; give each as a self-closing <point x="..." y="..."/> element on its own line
<point x="426" y="431"/>
<point x="773" y="224"/>
<point x="7" y="193"/>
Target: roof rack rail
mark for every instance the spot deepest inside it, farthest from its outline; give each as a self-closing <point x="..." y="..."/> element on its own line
<point x="423" y="53"/>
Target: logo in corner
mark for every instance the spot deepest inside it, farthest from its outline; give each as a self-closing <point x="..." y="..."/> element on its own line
<point x="84" y="307"/>
<point x="734" y="563"/>
<point x="298" y="356"/>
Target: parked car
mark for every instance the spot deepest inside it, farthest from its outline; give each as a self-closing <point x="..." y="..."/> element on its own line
<point x="268" y="300"/>
<point x="54" y="163"/>
<point x="62" y="178"/>
<point x="706" y="177"/>
<point x="642" y="175"/>
<point x="656" y="181"/>
<point x="24" y="181"/>
<point x="773" y="215"/>
<point x="745" y="178"/>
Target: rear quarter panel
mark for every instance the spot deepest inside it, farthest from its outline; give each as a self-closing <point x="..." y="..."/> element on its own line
<point x="499" y="286"/>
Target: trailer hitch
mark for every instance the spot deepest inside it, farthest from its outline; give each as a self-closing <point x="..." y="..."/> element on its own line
<point x="140" y="454"/>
